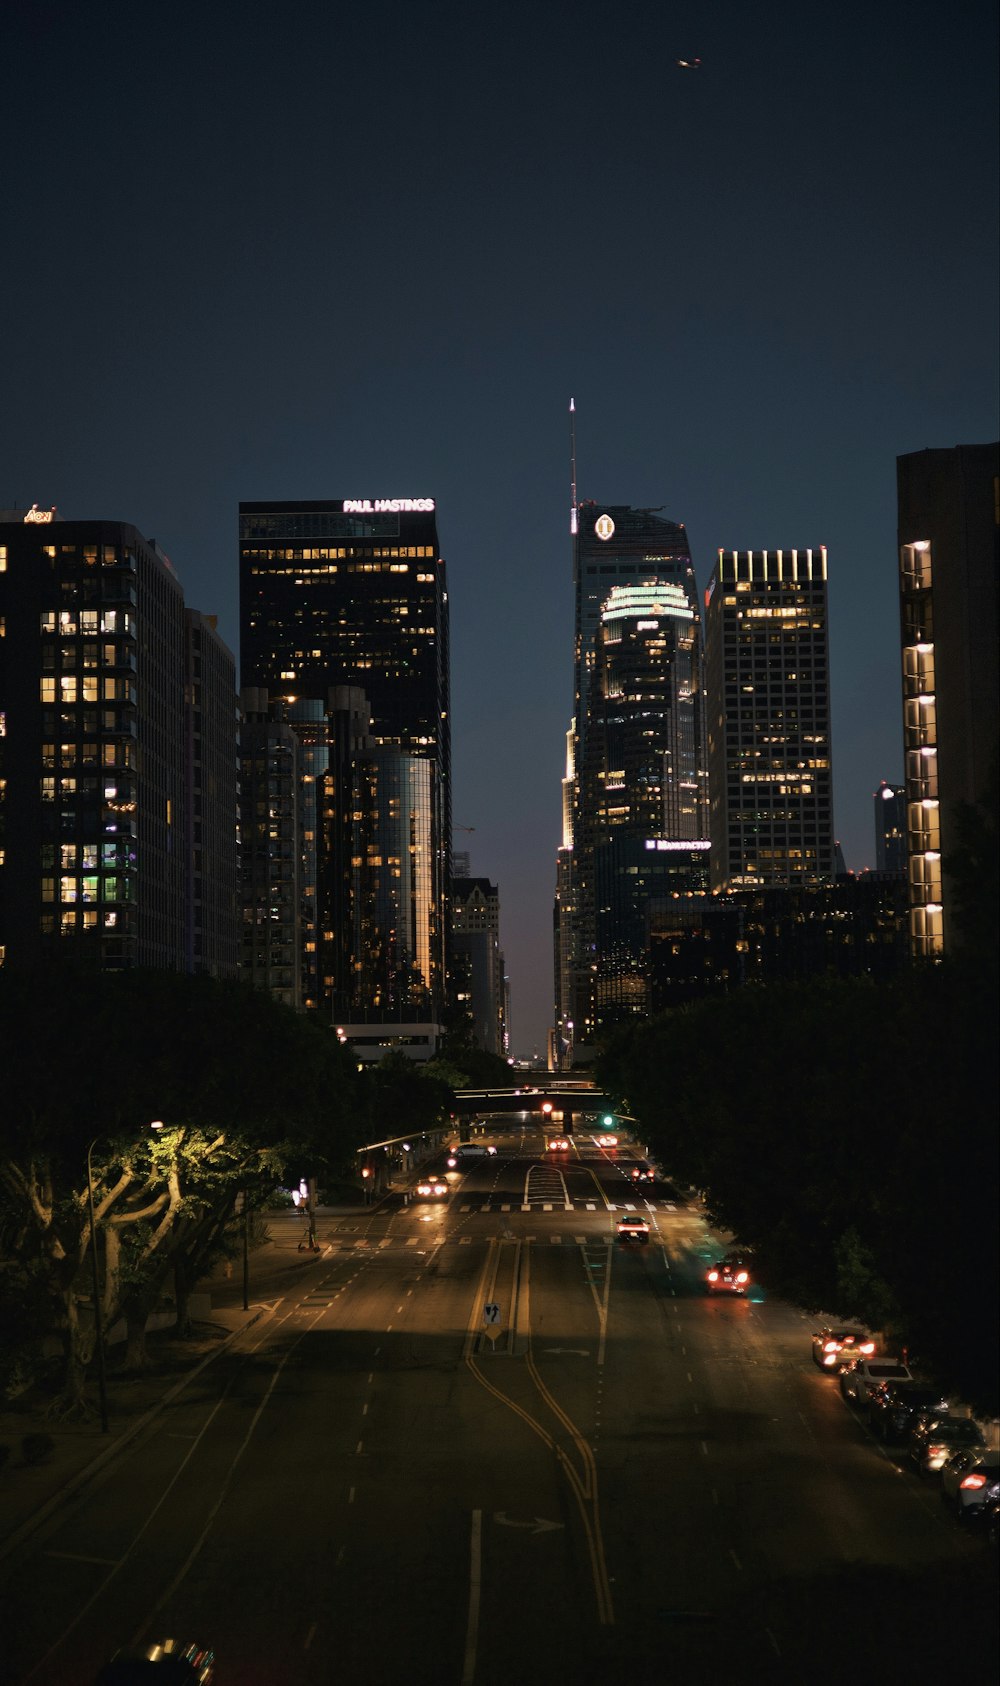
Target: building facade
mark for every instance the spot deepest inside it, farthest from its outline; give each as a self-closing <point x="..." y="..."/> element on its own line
<point x="636" y="762"/>
<point x="476" y="937"/>
<point x="769" y="743"/>
<point x="348" y="597"/>
<point x="117" y="755"/>
<point x="889" y="802"/>
<point x="949" y="521"/>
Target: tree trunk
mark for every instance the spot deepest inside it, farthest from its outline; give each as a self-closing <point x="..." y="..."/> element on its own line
<point x="136" y="1356"/>
<point x="182" y="1300"/>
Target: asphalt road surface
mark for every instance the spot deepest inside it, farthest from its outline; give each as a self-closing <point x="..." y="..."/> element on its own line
<point x="488" y="1444"/>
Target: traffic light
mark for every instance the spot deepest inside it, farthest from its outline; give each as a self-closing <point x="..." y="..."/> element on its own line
<point x="546" y="1108"/>
<point x="608" y="1120"/>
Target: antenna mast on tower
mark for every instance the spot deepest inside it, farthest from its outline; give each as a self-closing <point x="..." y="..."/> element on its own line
<point x="572" y="464"/>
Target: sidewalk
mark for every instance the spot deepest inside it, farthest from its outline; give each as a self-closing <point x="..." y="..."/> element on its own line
<point x="30" y="1493"/>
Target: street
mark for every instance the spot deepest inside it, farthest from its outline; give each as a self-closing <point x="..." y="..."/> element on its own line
<point x="616" y="1478"/>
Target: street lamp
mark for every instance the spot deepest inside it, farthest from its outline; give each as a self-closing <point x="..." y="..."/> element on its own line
<point x="102" y="1379"/>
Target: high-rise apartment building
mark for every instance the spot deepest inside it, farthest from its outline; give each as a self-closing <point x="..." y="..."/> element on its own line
<point x="769" y="750"/>
<point x="348" y="597"/>
<point x="949" y="522"/>
<point x="636" y="763"/>
<point x="117" y="755"/>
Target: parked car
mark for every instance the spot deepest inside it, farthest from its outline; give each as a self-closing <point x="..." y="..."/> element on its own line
<point x="860" y="1379"/>
<point x="933" y="1441"/>
<point x="839" y="1344"/>
<point x="895" y="1408"/>
<point x="968" y="1477"/>
<point x="165" y="1662"/>
<point x="985" y="1518"/>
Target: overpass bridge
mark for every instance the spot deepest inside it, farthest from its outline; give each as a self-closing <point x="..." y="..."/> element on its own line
<point x="557" y="1102"/>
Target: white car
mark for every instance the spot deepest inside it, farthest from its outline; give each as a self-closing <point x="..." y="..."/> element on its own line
<point x="859" y="1381"/>
<point x="967" y="1476"/>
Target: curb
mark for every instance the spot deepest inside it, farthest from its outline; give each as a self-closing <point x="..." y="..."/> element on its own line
<point x="104" y="1457"/>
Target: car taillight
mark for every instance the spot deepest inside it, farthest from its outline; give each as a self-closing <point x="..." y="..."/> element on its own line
<point x="868" y="1348"/>
<point x="831" y="1357"/>
<point x="713" y="1276"/>
<point x="742" y="1277"/>
<point x="830" y="1346"/>
<point x="973" y="1481"/>
<point x="935" y="1450"/>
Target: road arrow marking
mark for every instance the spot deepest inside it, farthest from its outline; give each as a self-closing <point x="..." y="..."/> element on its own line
<point x="538" y="1524"/>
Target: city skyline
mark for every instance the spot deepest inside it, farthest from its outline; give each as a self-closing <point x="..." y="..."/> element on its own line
<point x="761" y="283"/>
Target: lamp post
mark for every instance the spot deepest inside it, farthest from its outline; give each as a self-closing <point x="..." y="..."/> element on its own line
<point x="102" y="1379"/>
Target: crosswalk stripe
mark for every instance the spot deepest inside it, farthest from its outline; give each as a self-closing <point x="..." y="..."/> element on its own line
<point x="591" y="1206"/>
<point x="411" y="1240"/>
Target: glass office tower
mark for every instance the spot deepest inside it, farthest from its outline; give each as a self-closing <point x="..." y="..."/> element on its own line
<point x="637" y="754"/>
<point x="767" y="663"/>
<point x="351" y="593"/>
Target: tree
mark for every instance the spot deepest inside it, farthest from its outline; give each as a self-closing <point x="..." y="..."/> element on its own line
<point x="91" y="1061"/>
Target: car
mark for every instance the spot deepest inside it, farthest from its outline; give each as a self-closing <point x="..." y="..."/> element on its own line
<point x="606" y="1141"/>
<point x="933" y="1442"/>
<point x="859" y="1379"/>
<point x="432" y="1188"/>
<point x="164" y="1662"/>
<point x="986" y="1517"/>
<point x="968" y="1478"/>
<point x="460" y="1151"/>
<point x="727" y="1276"/>
<point x="557" y="1144"/>
<point x="640" y="1172"/>
<point x="632" y="1228"/>
<point x="895" y="1408"/>
<point x="839" y="1344"/>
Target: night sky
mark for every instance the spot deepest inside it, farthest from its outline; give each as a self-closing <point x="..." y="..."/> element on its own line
<point x="358" y="250"/>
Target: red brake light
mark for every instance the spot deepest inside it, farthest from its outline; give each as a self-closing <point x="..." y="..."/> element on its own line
<point x="973" y="1481"/>
<point x="867" y="1347"/>
<point x="742" y="1277"/>
<point x="713" y="1276"/>
<point x="830" y="1346"/>
<point x="936" y="1447"/>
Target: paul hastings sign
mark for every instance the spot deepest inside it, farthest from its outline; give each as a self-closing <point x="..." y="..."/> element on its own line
<point x="387" y="506"/>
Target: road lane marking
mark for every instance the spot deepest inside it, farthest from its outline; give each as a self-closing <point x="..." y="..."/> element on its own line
<point x="84" y="1557"/>
<point x="475" y="1591"/>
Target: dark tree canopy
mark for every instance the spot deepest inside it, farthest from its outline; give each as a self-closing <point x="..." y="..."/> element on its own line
<point x="847" y="1131"/>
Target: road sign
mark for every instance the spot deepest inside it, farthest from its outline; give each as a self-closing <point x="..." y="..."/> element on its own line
<point x="491" y="1312"/>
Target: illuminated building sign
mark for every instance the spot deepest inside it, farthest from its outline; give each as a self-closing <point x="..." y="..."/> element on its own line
<point x="387" y="506"/>
<point x="604" y="527"/>
<point x="41" y="515"/>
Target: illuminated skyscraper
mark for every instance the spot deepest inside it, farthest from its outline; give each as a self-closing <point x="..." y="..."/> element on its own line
<point x="350" y="595"/>
<point x="636" y="763"/>
<point x="890" y="827"/>
<point x="767" y="665"/>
